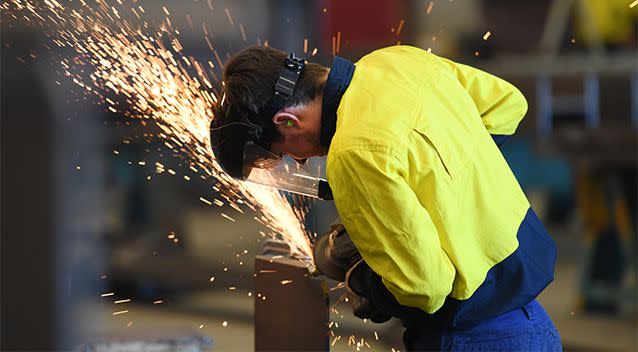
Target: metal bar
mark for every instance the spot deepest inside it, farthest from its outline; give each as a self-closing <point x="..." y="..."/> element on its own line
<point x="544" y="106"/>
<point x="591" y="101"/>
<point x="531" y="65"/>
<point x="291" y="307"/>
<point x="557" y="18"/>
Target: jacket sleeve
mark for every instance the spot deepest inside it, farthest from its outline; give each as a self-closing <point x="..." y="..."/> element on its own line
<point x="393" y="232"/>
<point x="501" y="105"/>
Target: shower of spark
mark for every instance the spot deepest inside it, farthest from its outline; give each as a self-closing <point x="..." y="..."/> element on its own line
<point x="139" y="71"/>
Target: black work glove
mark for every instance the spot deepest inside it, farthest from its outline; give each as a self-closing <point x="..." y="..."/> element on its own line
<point x="357" y="290"/>
<point x="334" y="253"/>
<point x="337" y="257"/>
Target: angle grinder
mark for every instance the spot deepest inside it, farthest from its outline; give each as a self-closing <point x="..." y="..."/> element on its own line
<point x="334" y="253"/>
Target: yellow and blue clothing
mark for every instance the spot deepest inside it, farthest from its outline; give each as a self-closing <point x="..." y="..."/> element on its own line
<point x="423" y="190"/>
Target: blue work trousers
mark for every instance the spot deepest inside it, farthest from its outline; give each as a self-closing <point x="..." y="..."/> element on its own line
<point x="524" y="329"/>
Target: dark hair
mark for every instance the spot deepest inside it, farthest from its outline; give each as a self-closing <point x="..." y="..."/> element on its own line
<point x="249" y="80"/>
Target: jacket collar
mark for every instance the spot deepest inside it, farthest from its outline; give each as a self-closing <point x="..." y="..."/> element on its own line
<point x="338" y="80"/>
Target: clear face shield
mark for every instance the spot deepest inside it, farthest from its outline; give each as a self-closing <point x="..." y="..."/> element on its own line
<point x="282" y="172"/>
<point x="238" y="154"/>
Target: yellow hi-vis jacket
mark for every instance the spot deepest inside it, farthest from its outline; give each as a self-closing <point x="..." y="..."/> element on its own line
<point x="418" y="180"/>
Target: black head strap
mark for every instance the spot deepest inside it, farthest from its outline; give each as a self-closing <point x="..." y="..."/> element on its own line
<point x="288" y="77"/>
<point x="284" y="89"/>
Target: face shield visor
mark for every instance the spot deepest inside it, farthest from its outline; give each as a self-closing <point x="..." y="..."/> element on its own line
<point x="282" y="172"/>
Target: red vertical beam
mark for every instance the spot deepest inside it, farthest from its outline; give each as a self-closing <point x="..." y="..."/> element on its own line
<point x="363" y="25"/>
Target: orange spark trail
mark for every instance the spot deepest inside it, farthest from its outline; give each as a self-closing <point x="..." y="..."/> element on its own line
<point x="144" y="67"/>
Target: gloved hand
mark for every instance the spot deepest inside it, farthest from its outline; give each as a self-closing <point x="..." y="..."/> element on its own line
<point x="334" y="253"/>
<point x="357" y="286"/>
<point x="337" y="257"/>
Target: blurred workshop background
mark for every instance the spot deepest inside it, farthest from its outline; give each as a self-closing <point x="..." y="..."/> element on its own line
<point x="96" y="254"/>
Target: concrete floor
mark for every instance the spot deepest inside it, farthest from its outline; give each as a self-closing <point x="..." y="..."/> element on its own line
<point x="228" y="320"/>
<point x="579" y="330"/>
<point x="204" y="311"/>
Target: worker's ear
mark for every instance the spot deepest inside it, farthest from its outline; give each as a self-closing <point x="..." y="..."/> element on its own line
<point x="286" y="119"/>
